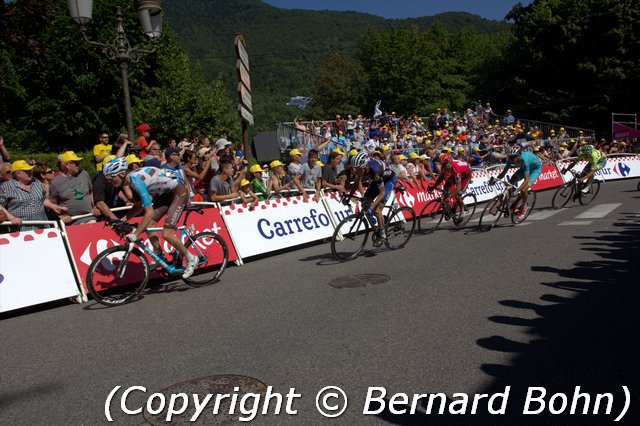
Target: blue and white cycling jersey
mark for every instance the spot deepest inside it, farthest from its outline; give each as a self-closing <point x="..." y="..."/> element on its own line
<point x="529" y="163"/>
<point x="150" y="181"/>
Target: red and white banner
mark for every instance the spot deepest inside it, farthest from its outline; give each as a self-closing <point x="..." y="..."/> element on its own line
<point x="279" y="224"/>
<point x="87" y="240"/>
<point x="34" y="268"/>
<point x="619" y="167"/>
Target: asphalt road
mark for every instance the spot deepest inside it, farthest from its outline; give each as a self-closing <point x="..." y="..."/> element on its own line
<point x="550" y="303"/>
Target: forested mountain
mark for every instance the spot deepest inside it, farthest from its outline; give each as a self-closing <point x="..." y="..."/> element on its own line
<point x="287" y="48"/>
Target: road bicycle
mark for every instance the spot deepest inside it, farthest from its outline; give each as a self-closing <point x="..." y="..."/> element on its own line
<point x="119" y="274"/>
<point x="570" y="192"/>
<point x="506" y="204"/>
<point x="352" y="233"/>
<point x="444" y="208"/>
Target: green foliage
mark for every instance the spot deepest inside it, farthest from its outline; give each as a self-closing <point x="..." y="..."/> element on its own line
<point x="59" y="92"/>
<point x="575" y="61"/>
<point x="288" y="49"/>
<point x="340" y="87"/>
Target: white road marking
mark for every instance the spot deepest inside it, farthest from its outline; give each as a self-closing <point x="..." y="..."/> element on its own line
<point x="598" y="211"/>
<point x="544" y="214"/>
<point x="575" y="223"/>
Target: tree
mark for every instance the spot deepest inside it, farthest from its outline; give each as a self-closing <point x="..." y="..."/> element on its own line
<point x="339" y="89"/>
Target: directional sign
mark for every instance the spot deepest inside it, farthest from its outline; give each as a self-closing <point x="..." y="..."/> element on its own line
<point x="245" y="114"/>
<point x="241" y="51"/>
<point x="243" y="74"/>
<point x="245" y="96"/>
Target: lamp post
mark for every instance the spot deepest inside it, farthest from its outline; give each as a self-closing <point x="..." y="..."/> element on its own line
<point x="120" y="50"/>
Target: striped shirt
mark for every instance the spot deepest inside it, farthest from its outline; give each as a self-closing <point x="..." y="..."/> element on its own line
<point x="23" y="204"/>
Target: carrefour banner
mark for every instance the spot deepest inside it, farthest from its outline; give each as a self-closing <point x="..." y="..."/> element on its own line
<point x="616" y="168"/>
<point x="277" y="224"/>
<point x="34" y="269"/>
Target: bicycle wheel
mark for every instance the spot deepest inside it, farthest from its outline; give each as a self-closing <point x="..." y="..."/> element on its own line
<point x="587" y="197"/>
<point x="430" y="217"/>
<point x="470" y="203"/>
<point x="399" y="227"/>
<point x="349" y="237"/>
<point x="116" y="276"/>
<point x="213" y="256"/>
<point x="531" y="201"/>
<point x="491" y="213"/>
<point x="562" y="196"/>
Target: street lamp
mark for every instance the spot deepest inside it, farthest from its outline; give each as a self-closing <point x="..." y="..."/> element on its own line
<point x="120" y="50"/>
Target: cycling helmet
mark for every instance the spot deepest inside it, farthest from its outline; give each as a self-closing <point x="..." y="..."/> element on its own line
<point x="360" y="160"/>
<point x="115" y="166"/>
<point x="586" y="149"/>
<point x="513" y="150"/>
<point x="445" y="159"/>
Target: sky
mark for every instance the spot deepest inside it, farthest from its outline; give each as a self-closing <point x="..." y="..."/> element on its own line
<point x="489" y="9"/>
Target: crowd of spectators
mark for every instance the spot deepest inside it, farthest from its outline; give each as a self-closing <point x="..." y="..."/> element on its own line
<point x="219" y="172"/>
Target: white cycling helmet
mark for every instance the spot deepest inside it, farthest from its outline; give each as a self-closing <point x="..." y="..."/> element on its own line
<point x="115" y="166"/>
<point x="360" y="159"/>
<point x="513" y="150"/>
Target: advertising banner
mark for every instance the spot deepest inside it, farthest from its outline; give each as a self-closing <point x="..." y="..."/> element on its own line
<point x="34" y="268"/>
<point x="622" y="167"/>
<point x="87" y="240"/>
<point x="278" y="224"/>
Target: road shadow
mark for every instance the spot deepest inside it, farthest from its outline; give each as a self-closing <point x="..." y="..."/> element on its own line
<point x="590" y="340"/>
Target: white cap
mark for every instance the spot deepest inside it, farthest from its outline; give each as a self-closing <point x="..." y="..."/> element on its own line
<point x="221" y="144"/>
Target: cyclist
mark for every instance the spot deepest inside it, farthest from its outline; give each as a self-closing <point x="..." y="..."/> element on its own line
<point x="171" y="198"/>
<point x="456" y="175"/>
<point x="530" y="168"/>
<point x="596" y="160"/>
<point x="381" y="182"/>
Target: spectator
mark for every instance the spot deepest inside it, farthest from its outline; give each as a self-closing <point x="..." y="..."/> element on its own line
<point x="45" y="175"/>
<point x="339" y="124"/>
<point x="4" y="154"/>
<point x="296" y="162"/>
<point x="246" y="194"/>
<point x="72" y="189"/>
<point x="5" y="173"/>
<point x="509" y="119"/>
<point x="153" y="158"/>
<point x="330" y="172"/>
<point x="23" y="198"/>
<point x="122" y="145"/>
<point x="143" y="140"/>
<point x="105" y="194"/>
<point x="101" y="150"/>
<point x="399" y="169"/>
<point x="193" y="169"/>
<point x="200" y="191"/>
<point x="278" y="180"/>
<point x="222" y="186"/>
<point x="309" y="176"/>
<point x="257" y="184"/>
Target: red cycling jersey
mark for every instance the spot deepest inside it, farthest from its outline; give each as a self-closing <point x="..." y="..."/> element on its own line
<point x="459" y="171"/>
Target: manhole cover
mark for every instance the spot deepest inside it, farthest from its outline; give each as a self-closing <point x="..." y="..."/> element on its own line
<point x="358" y="280"/>
<point x="214" y="385"/>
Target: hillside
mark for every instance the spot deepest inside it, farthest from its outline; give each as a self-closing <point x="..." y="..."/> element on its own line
<point x="286" y="47"/>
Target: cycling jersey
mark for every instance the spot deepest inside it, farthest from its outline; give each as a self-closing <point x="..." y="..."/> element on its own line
<point x="529" y="163"/>
<point x="595" y="160"/>
<point x="460" y="171"/>
<point x="149" y="181"/>
<point x="379" y="174"/>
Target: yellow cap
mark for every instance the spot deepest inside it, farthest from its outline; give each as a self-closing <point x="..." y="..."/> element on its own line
<point x="536" y="149"/>
<point x="562" y="149"/>
<point x="319" y="163"/>
<point x="476" y="149"/>
<point x="20" y="165"/>
<point x="337" y="150"/>
<point x="583" y="142"/>
<point x="244" y="183"/>
<point x="562" y="129"/>
<point x="446" y="149"/>
<point x="109" y="158"/>
<point x="402" y="157"/>
<point x="256" y="168"/>
<point x="413" y="156"/>
<point x="69" y="156"/>
<point x="353" y="152"/>
<point x="132" y="158"/>
<point x="461" y="149"/>
<point x="386" y="148"/>
<point x="275" y="163"/>
<point x="294" y="151"/>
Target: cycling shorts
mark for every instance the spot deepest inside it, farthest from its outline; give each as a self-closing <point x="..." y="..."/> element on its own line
<point x="372" y="191"/>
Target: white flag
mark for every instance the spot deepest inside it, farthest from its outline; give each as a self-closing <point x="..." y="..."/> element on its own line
<point x="377" y="113"/>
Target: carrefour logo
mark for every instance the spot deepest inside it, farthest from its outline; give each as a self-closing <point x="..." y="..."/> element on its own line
<point x="313" y="220"/>
<point x="621" y="169"/>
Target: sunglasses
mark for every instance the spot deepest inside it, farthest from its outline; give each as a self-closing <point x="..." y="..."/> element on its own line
<point x="47" y="171"/>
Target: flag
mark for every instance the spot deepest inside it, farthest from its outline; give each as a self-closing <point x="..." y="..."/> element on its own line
<point x="376" y="112"/>
<point x="299" y="101"/>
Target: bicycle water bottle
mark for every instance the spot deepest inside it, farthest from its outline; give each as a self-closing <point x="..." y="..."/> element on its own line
<point x="371" y="217"/>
